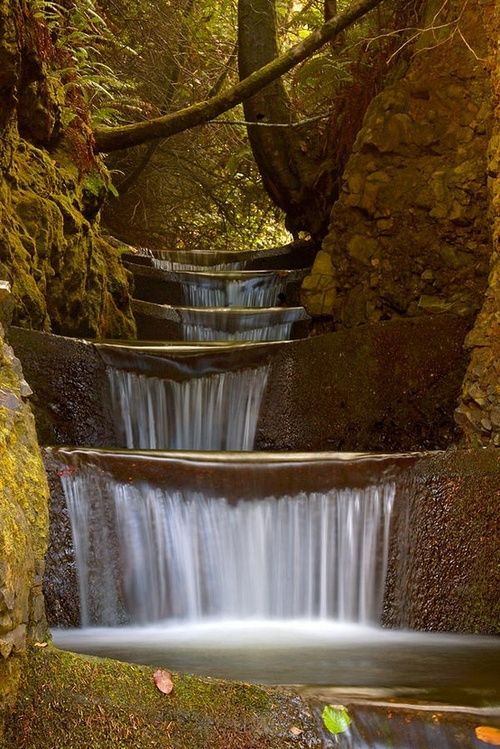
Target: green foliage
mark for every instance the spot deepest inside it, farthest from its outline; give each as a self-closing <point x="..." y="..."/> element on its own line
<point x="199" y="189"/>
<point x="81" y="36"/>
<point x="336" y="719"/>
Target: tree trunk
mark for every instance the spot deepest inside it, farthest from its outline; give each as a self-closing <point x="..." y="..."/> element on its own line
<point x="274" y="149"/>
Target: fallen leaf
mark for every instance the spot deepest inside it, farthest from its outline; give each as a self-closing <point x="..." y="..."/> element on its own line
<point x="295" y="731"/>
<point x="488" y="735"/>
<point x="163" y="681"/>
<point x="336" y="718"/>
<point x="40" y="644"/>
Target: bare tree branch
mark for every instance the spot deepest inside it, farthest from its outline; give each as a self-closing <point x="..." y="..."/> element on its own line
<point x="292" y="125"/>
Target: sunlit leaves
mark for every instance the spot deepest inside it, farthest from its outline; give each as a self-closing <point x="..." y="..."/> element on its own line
<point x="336" y="719"/>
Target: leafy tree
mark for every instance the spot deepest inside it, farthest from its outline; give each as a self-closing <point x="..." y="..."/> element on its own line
<point x="124" y="136"/>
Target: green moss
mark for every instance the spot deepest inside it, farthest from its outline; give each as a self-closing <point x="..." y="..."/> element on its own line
<point x="23" y="527"/>
<point x="75" y="702"/>
<point x="64" y="277"/>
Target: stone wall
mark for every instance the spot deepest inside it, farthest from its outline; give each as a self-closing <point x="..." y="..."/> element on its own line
<point x="64" y="276"/>
<point x="409" y="235"/>
<point x="444" y="568"/>
<point x="23" y="525"/>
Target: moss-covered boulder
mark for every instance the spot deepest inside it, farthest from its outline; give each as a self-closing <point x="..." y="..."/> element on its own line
<point x="23" y="526"/>
<point x="64" y="276"/>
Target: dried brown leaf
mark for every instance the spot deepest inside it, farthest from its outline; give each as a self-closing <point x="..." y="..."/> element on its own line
<point x="163" y="681"/>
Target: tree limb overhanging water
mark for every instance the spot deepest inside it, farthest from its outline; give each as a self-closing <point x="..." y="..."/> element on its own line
<point x="115" y="138"/>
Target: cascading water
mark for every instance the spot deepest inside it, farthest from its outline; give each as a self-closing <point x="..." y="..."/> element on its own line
<point x="239" y="323"/>
<point x="146" y="553"/>
<point x="252" y="292"/>
<point x="173" y="265"/>
<point x="242" y="572"/>
<point x="212" y="412"/>
<point x="196" y="332"/>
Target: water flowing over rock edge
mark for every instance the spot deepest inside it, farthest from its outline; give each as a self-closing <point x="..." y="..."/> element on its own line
<point x="448" y="565"/>
<point x="339" y="391"/>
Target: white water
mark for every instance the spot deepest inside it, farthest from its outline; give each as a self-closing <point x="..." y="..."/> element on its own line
<point x="147" y="554"/>
<point x="195" y="332"/>
<point x="214" y="412"/>
<point x="252" y="292"/>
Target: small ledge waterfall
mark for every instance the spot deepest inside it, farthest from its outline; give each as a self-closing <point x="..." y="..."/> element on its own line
<point x="145" y="553"/>
<point x="213" y="412"/>
<point x="201" y="324"/>
<point x="173" y="265"/>
<point x="279" y="332"/>
<point x="252" y="292"/>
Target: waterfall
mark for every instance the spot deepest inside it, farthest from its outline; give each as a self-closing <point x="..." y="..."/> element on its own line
<point x="146" y="553"/>
<point x="198" y="332"/>
<point x="239" y="324"/>
<point x="214" y="412"/>
<point x="174" y="265"/>
<point x="263" y="291"/>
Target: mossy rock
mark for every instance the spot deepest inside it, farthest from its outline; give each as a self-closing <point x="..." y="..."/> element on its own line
<point x="23" y="525"/>
<point x="81" y="702"/>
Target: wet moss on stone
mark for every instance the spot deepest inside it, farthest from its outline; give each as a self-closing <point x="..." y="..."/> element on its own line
<point x="82" y="702"/>
<point x="23" y="526"/>
<point x="64" y="276"/>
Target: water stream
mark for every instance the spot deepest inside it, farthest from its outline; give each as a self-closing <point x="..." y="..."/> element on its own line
<point x="213" y="412"/>
<point x="239" y="323"/>
<point x="165" y="264"/>
<point x="252" y="291"/>
<point x="283" y="586"/>
<point x="145" y="553"/>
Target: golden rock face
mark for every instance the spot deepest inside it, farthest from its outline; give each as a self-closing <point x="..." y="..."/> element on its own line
<point x="411" y="233"/>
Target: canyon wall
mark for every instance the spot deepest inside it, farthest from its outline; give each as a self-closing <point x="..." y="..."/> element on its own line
<point x="23" y="521"/>
<point x="411" y="233"/>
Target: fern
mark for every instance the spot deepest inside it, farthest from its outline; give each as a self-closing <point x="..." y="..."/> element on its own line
<point x="81" y="34"/>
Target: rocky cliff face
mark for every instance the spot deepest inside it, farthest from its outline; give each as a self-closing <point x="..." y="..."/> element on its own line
<point x="64" y="276"/>
<point x="479" y="409"/>
<point x="23" y="524"/>
<point x="411" y="232"/>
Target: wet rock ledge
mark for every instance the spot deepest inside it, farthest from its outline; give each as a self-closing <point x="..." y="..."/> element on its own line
<point x="385" y="387"/>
